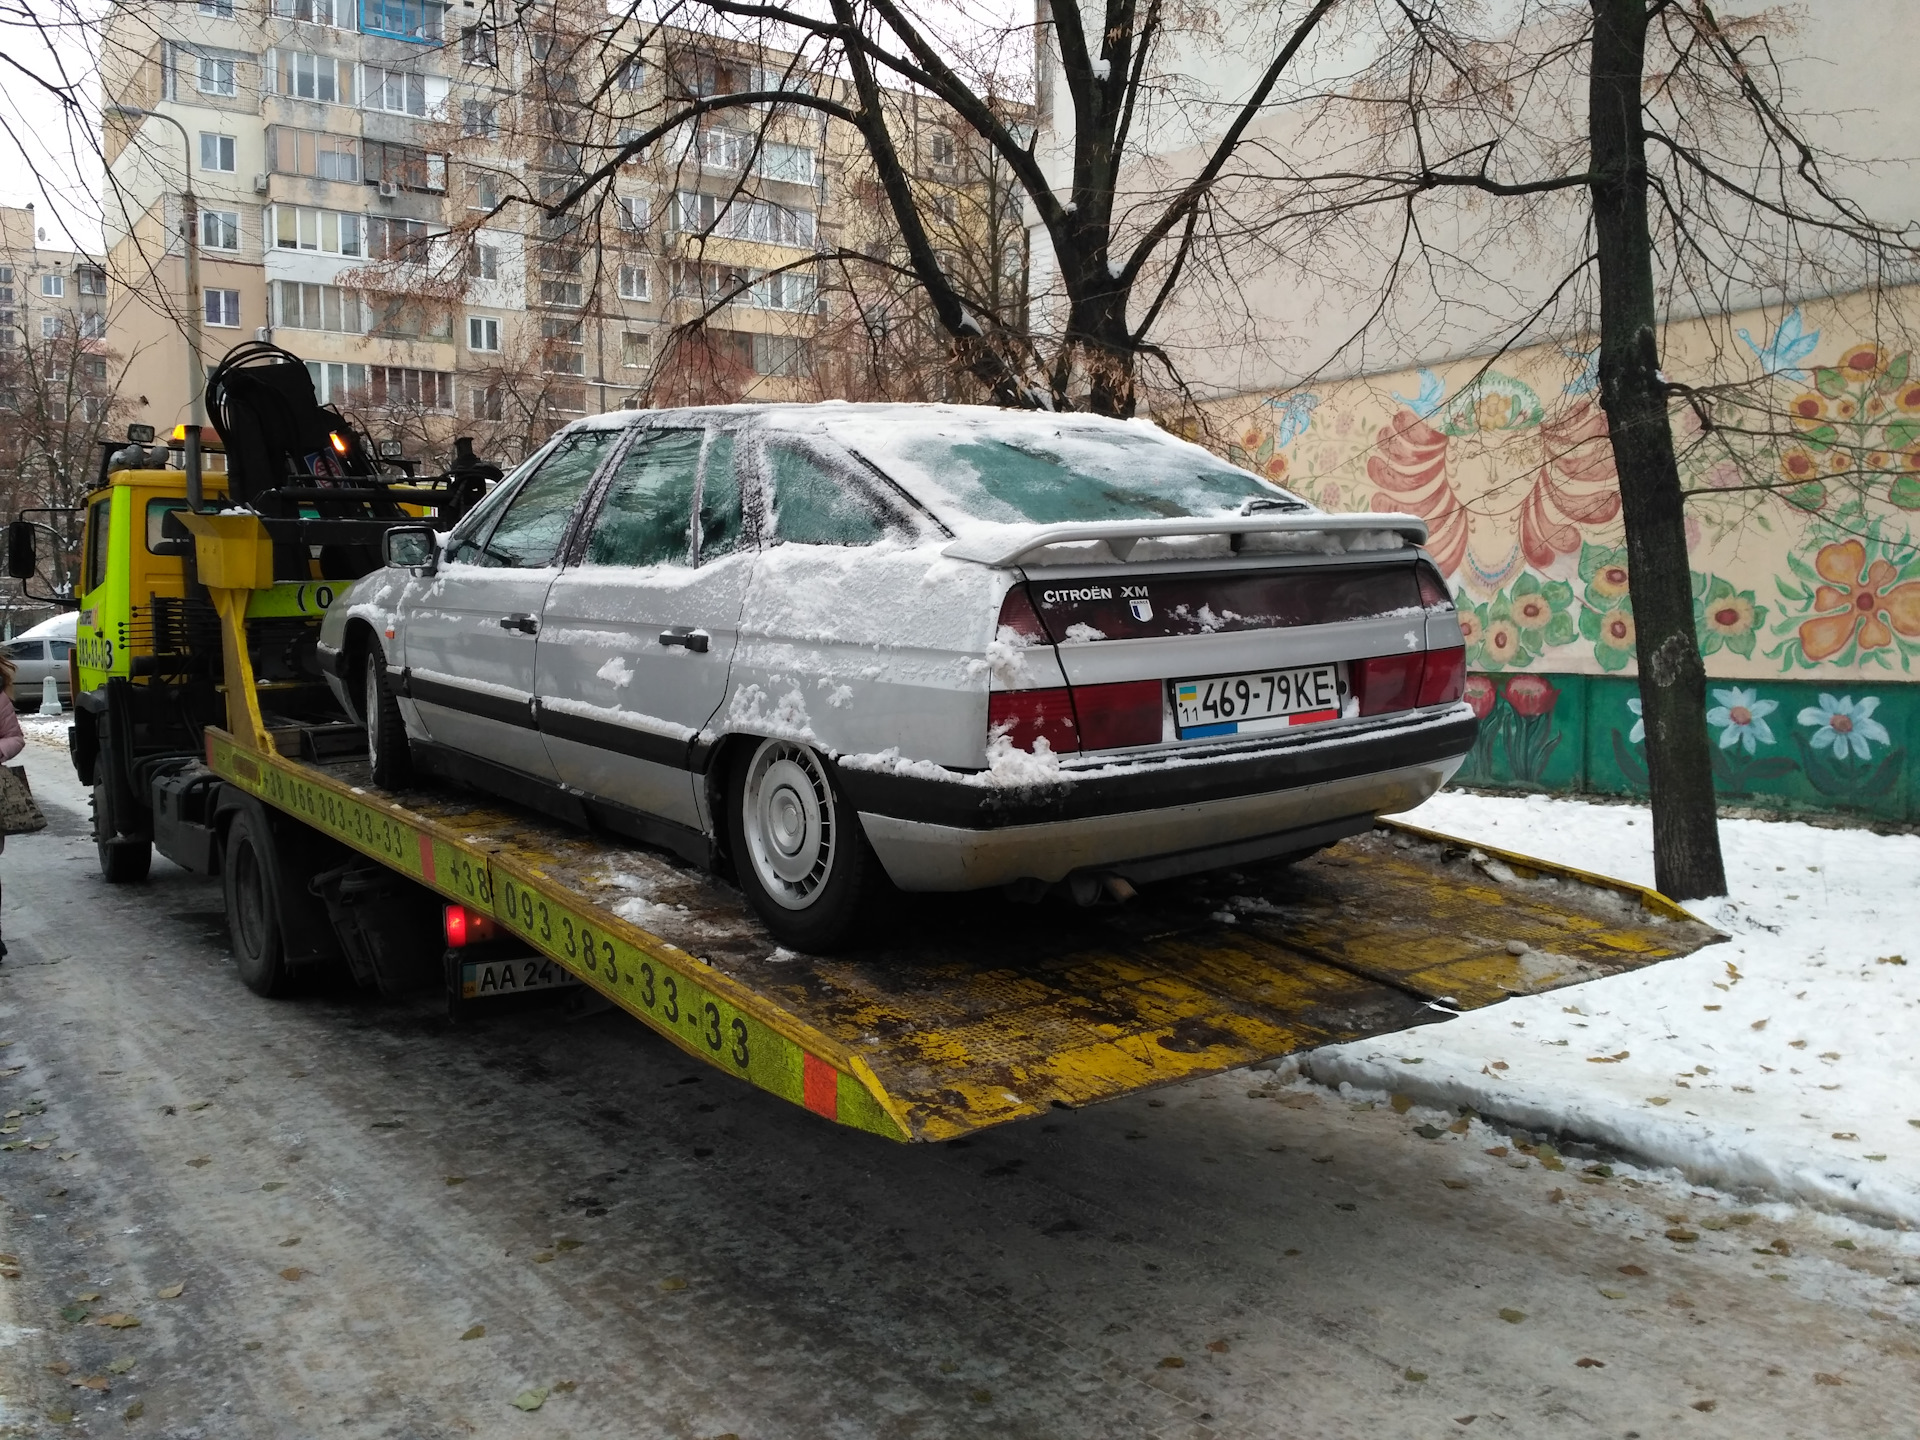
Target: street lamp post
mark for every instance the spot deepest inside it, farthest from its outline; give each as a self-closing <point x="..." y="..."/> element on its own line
<point x="196" y="367"/>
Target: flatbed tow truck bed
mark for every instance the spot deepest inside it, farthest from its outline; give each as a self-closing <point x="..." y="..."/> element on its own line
<point x="977" y="1010"/>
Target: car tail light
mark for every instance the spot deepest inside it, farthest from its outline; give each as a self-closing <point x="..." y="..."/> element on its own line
<point x="1111" y="716"/>
<point x="1445" y="678"/>
<point x="1018" y="615"/>
<point x="1433" y="590"/>
<point x="467" y="927"/>
<point x="1388" y="682"/>
<point x="1024" y="716"/>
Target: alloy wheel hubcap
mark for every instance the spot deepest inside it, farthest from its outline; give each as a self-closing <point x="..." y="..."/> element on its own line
<point x="790" y="829"/>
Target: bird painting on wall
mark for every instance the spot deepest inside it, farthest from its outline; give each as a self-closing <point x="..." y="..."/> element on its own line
<point x="1791" y="344"/>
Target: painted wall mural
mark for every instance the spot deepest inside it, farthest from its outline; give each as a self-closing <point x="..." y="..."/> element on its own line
<point x="1801" y="451"/>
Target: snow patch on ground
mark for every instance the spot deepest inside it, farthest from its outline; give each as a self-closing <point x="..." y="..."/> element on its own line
<point x="1786" y="1059"/>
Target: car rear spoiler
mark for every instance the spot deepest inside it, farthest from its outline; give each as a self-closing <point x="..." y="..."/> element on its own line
<point x="1004" y="545"/>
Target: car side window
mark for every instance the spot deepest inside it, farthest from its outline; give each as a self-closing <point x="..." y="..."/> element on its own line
<point x="528" y="534"/>
<point x="27" y="650"/>
<point x="647" y="517"/>
<point x="720" y="528"/>
<point x="99" y="533"/>
<point x="814" y="504"/>
<point x="61" y="648"/>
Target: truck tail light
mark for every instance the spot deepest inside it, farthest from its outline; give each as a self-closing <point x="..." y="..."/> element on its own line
<point x="1111" y="716"/>
<point x="1018" y="615"/>
<point x="1024" y="716"/>
<point x="467" y="927"/>
<point x="1401" y="682"/>
<point x="1445" y="679"/>
<point x="1388" y="682"/>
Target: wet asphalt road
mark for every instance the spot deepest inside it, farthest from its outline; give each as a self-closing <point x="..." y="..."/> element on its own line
<point x="349" y="1189"/>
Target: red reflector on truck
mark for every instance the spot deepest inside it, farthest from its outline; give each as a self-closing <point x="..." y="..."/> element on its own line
<point x="1024" y="716"/>
<point x="466" y="927"/>
<point x="1445" y="679"/>
<point x="1115" y="715"/>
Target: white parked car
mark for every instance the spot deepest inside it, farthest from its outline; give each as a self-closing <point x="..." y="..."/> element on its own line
<point x="39" y="652"/>
<point x="949" y="646"/>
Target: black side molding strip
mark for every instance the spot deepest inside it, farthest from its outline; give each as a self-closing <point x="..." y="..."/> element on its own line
<point x="518" y="713"/>
<point x="695" y="754"/>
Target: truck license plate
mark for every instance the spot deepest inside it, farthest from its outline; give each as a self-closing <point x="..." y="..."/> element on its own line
<point x="1256" y="701"/>
<point x="479" y="978"/>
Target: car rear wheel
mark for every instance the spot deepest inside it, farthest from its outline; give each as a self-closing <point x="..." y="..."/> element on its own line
<point x="387" y="751"/>
<point x="797" y="846"/>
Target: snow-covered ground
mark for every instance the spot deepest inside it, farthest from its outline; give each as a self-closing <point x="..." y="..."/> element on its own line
<point x="1787" y="1058"/>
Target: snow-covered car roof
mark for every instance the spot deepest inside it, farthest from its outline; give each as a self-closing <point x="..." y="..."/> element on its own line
<point x="64" y="626"/>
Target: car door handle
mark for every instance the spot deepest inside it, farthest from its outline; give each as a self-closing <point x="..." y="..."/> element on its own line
<point x="694" y="640"/>
<point x="525" y="624"/>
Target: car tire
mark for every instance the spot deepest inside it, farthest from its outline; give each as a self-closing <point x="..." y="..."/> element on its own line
<point x="251" y="888"/>
<point x="799" y="853"/>
<point x="388" y="754"/>
<point x="122" y="862"/>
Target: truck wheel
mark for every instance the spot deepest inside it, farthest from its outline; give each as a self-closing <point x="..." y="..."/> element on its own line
<point x="387" y="751"/>
<point x="247" y="874"/>
<point x="800" y="854"/>
<point x="122" y="862"/>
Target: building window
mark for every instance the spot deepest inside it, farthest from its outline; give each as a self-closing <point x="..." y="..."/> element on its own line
<point x="313" y="12"/>
<point x="94" y="367"/>
<point x="486" y="190"/>
<point x="91" y="279"/>
<point x="779" y="354"/>
<point x="730" y="152"/>
<point x="93" y="326"/>
<point x="702" y="214"/>
<point x="53" y="286"/>
<point x="52" y="326"/>
<point x="940" y="148"/>
<point x="325" y="232"/>
<point x="337" y="384"/>
<point x="308" y="152"/>
<point x="404" y="92"/>
<point x="567" y="399"/>
<point x="483" y="262"/>
<point x="401" y="241"/>
<point x="636" y="350"/>
<point x="304" y="76"/>
<point x="216" y="152"/>
<point x="947" y="208"/>
<point x="392" y="387"/>
<point x="223" y="308"/>
<point x="787" y="290"/>
<point x="218" y="9"/>
<point x="483" y="332"/>
<point x="479" y="120"/>
<point x="317" y="307"/>
<point x="477" y="45"/>
<point x="565" y="352"/>
<point x="408" y="19"/>
<point x="633" y="74"/>
<point x="214" y="76"/>
<point x="408" y="317"/>
<point x="631" y="212"/>
<point x="565" y="293"/>
<point x="404" y="166"/>
<point x="219" y="229"/>
<point x="633" y="282"/>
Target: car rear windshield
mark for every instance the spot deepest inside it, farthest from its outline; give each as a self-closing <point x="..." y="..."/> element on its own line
<point x="1049" y="472"/>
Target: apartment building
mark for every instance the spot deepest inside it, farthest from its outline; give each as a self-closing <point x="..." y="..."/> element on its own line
<point x="47" y="294"/>
<point x="371" y="177"/>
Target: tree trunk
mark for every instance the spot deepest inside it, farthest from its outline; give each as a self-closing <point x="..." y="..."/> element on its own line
<point x="1673" y="679"/>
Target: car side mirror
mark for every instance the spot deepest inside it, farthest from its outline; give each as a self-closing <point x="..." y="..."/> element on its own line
<point x="412" y="547"/>
<point x="22" y="559"/>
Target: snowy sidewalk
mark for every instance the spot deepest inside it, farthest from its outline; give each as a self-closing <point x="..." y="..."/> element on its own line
<point x="1787" y="1058"/>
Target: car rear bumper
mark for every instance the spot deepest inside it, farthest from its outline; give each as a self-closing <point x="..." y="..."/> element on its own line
<point x="1159" y="815"/>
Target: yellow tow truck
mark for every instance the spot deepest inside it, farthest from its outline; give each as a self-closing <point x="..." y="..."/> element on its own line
<point x="205" y="728"/>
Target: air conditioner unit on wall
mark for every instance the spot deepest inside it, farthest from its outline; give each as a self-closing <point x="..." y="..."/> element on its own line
<point x="387" y="189"/>
<point x="260" y="184"/>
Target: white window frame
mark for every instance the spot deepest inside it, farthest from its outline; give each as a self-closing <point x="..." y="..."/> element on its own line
<point x="216" y="75"/>
<point x="479" y="120"/>
<point x="636" y="283"/>
<point x="93" y="325"/>
<point x="53" y="287"/>
<point x="220" y="230"/>
<point x="222" y="147"/>
<point x="483" y="261"/>
<point x="483" y="333"/>
<point x="220" y="308"/>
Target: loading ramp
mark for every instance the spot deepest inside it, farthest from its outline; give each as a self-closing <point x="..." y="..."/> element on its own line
<point x="977" y="1010"/>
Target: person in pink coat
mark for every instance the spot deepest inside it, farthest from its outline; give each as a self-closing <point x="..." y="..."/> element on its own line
<point x="12" y="742"/>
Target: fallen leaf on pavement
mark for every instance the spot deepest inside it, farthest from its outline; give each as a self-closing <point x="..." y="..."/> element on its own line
<point x="568" y="1244"/>
<point x="477" y="1332"/>
<point x="1705" y="1405"/>
<point x="1614" y="1294"/>
<point x="1454" y="1184"/>
<point x="1416" y="1376"/>
<point x="1631" y="1270"/>
<point x="456" y="1179"/>
<point x="1401" y="1104"/>
<point x="565" y="1387"/>
<point x="274" y="1185"/>
<point x="1497" y="1151"/>
<point x="172" y="1292"/>
<point x="673" y="1282"/>
<point x="292" y="1272"/>
<point x="119" y="1320"/>
<point x="68" y="1155"/>
<point x="92" y="1382"/>
<point x="60" y="1415"/>
<point x="200" y="1160"/>
<point x="200" y="1105"/>
<point x="290" y="1241"/>
<point x="60" y="1367"/>
<point x="1659" y="1099"/>
<point x="122" y="1365"/>
<point x="1613" y="1059"/>
<point x="1219" y="1347"/>
<point x="1845" y="1245"/>
<point x="1587" y="1362"/>
<point x="135" y="1410"/>
<point x="531" y="1399"/>
<point x="73" y="1314"/>
<point x="1682" y="1236"/>
<point x="1513" y="1317"/>
<point x="1820" y="1377"/>
<point x="1173" y="1362"/>
<point x="1428" y="1132"/>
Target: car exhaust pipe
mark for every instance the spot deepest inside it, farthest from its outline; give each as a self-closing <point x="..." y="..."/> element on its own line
<point x="1095" y="888"/>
